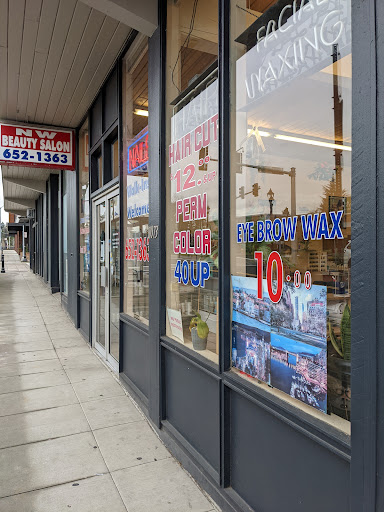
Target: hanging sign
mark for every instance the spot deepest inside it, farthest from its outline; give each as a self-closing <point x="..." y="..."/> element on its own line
<point x="34" y="146"/>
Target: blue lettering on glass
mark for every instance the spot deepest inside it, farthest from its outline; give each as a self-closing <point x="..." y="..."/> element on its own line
<point x="185" y="271"/>
<point x="314" y="226"/>
<point x="336" y="219"/>
<point x="309" y="226"/>
<point x="322" y="231"/>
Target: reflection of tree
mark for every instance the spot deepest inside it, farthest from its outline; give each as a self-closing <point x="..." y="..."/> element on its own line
<point x="329" y="190"/>
<point x="323" y="172"/>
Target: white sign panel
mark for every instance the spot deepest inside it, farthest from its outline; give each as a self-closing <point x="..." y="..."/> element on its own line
<point x="176" y="323"/>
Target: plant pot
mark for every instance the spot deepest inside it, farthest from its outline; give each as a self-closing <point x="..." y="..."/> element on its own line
<point x="339" y="387"/>
<point x="197" y="342"/>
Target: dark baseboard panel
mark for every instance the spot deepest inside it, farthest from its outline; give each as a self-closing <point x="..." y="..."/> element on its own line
<point x="137" y="395"/>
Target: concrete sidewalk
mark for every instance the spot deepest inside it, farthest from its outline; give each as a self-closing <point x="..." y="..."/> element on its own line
<point x="70" y="436"/>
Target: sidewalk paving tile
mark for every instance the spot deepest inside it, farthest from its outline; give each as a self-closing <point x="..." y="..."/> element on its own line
<point x="81" y="361"/>
<point x="23" y="357"/>
<point x="87" y="373"/>
<point x="95" y="494"/>
<point x="31" y="346"/>
<point x="48" y="365"/>
<point x="33" y="381"/>
<point x="95" y="389"/>
<point x="111" y="411"/>
<point x="25" y="338"/>
<point x="64" y="352"/>
<point x="74" y="341"/>
<point x="160" y="486"/>
<point x="37" y="465"/>
<point x="129" y="445"/>
<point x="36" y="399"/>
<point x="31" y="427"/>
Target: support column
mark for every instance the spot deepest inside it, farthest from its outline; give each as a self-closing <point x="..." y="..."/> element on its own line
<point x="32" y="243"/>
<point x="53" y="233"/>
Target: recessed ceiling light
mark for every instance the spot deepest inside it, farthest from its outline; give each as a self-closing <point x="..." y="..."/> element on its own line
<point x="141" y="112"/>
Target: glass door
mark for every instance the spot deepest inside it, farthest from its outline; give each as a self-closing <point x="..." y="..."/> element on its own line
<point x="100" y="275"/>
<point x="106" y="277"/>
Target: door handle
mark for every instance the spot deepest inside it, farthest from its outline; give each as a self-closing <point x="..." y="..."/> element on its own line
<point x="103" y="276"/>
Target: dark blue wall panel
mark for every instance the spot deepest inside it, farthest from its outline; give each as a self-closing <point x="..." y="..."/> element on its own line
<point x="275" y="467"/>
<point x="134" y="363"/>
<point x="192" y="405"/>
<point x="85" y="315"/>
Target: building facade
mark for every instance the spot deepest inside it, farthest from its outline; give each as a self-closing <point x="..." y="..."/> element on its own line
<point x="218" y="241"/>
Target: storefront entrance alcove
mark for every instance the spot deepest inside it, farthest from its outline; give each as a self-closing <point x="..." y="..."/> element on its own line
<point x="106" y="276"/>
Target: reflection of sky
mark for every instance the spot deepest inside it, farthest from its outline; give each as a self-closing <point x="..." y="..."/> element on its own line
<point x="303" y="107"/>
<point x="297" y="347"/>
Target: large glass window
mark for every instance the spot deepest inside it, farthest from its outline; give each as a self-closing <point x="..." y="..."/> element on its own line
<point x="115" y="159"/>
<point x="135" y="173"/>
<point x="192" y="176"/>
<point x="84" y="208"/>
<point x="291" y="201"/>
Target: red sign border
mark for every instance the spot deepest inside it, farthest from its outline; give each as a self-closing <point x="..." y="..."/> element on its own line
<point x="42" y="165"/>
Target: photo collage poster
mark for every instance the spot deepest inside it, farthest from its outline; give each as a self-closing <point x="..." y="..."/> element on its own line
<point x="282" y="344"/>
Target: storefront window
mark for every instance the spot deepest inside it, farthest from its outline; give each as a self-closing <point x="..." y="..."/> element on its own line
<point x="135" y="172"/>
<point x="115" y="159"/>
<point x="192" y="229"/>
<point x="100" y="170"/>
<point x="291" y="200"/>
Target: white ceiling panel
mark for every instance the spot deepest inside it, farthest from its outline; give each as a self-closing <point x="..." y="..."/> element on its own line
<point x="76" y="30"/>
<point x="58" y="26"/>
<point x="87" y="42"/>
<point x="31" y="27"/>
<point x="99" y="48"/>
<point x="117" y="41"/>
<point x="16" y="11"/>
<point x="54" y="56"/>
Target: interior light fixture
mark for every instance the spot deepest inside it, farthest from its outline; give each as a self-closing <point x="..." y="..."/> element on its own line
<point x="313" y="142"/>
<point x="300" y="140"/>
<point x="254" y="131"/>
<point x="141" y="112"/>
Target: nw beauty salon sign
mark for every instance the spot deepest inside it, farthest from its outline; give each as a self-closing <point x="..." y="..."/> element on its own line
<point x="34" y="146"/>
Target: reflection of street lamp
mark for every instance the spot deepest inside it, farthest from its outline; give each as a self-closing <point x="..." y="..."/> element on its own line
<point x="271" y="197"/>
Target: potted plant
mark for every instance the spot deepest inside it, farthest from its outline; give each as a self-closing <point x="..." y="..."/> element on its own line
<point x="339" y="367"/>
<point x="199" y="331"/>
